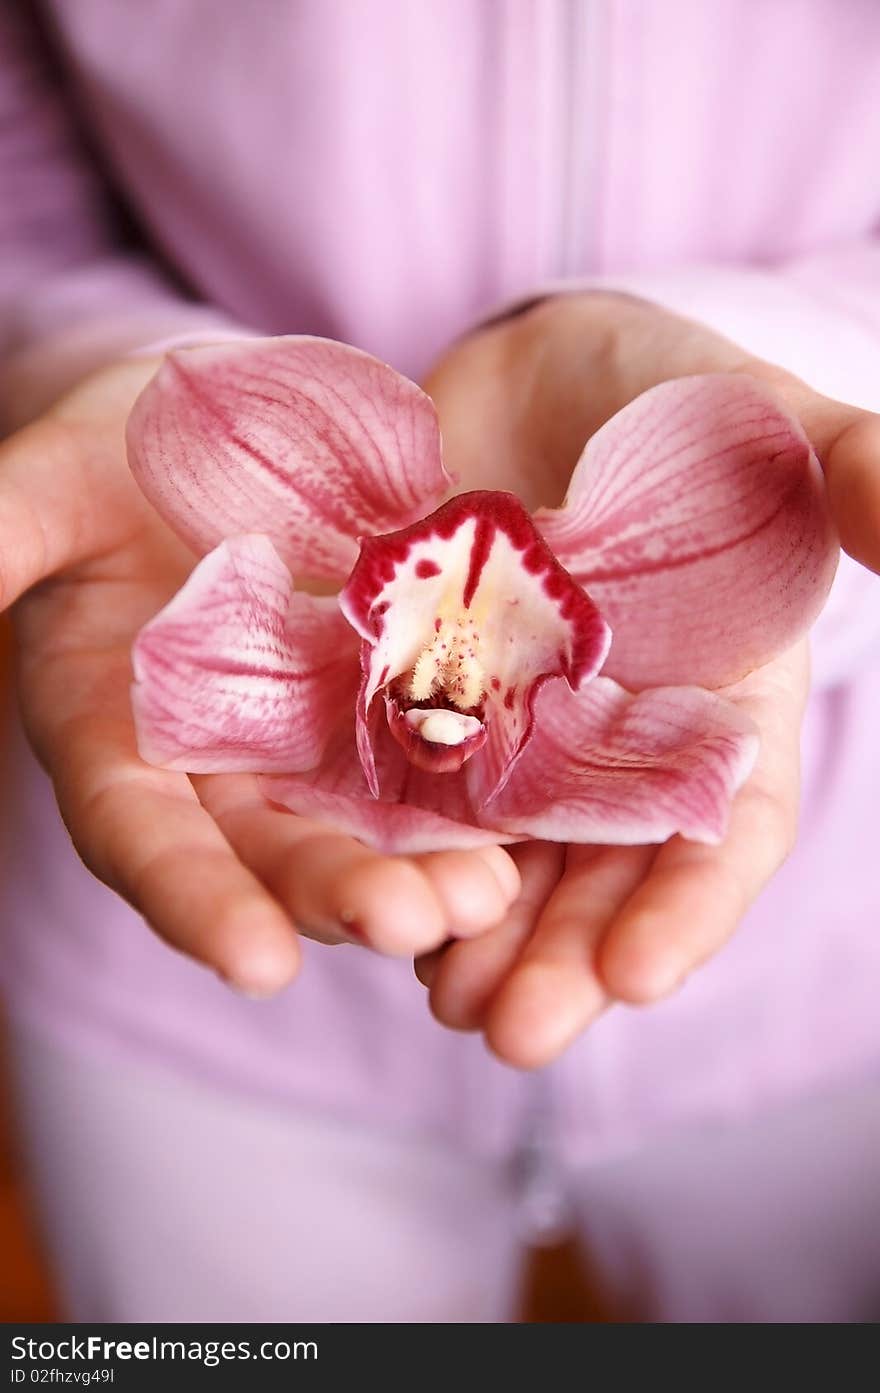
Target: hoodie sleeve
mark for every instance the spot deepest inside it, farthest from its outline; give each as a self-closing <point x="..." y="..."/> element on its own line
<point x="74" y="292"/>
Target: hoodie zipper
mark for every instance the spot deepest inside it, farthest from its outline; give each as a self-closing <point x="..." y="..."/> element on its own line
<point x="578" y="84"/>
<point x="582" y="84"/>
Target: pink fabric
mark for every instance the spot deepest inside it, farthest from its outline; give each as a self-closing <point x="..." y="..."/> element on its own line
<point x="388" y="174"/>
<point x="704" y="1225"/>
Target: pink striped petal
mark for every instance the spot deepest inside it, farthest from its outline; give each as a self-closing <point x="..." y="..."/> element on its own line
<point x="239" y="671"/>
<point x="606" y="767"/>
<point x="697" y="520"/>
<point x="415" y="812"/>
<point x="310" y="442"/>
<point x="468" y="611"/>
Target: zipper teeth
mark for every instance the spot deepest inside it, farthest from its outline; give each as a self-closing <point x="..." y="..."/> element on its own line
<point x="543" y="1190"/>
<point x="582" y="65"/>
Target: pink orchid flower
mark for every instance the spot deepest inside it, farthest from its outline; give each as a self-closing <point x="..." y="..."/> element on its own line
<point x="483" y="675"/>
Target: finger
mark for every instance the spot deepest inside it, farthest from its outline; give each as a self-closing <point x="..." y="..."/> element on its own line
<point x="694" y="899"/>
<point x="696" y="895"/>
<point x="463" y="977"/>
<point x="475" y="888"/>
<point x="554" y="991"/>
<point x="333" y="886"/>
<point x="37" y="530"/>
<point x="426" y="964"/>
<point x="142" y="832"/>
<point x="847" y="442"/>
<point x="51" y="474"/>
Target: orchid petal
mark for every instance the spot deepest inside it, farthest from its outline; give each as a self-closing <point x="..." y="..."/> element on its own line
<point x="604" y="766"/>
<point x="697" y="520"/>
<point x="415" y="812"/>
<point x="239" y="672"/>
<point x="307" y="441"/>
<point x="469" y="608"/>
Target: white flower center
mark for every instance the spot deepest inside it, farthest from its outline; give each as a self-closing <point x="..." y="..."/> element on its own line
<point x="442" y="726"/>
<point x="450" y="666"/>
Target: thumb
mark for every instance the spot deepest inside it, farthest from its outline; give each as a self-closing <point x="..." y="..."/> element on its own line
<point x="852" y="471"/>
<point x="65" y="490"/>
<point x="847" y="441"/>
<point x="51" y="512"/>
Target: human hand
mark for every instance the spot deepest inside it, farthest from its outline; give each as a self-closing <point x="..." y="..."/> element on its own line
<point x="598" y="924"/>
<point x="217" y="872"/>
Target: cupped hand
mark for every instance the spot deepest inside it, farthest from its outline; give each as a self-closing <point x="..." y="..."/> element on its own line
<point x="595" y="925"/>
<point x="217" y="872"/>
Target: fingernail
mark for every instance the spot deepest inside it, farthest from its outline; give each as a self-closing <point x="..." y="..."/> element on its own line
<point x="425" y="966"/>
<point x="424" y="973"/>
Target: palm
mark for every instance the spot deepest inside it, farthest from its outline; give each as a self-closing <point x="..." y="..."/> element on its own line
<point x="600" y="923"/>
<point x="216" y="871"/>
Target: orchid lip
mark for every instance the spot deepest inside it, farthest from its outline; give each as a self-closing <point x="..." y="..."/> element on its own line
<point x="436" y="738"/>
<point x="439" y="725"/>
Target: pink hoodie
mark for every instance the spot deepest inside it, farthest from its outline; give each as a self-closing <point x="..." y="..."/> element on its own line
<point x="389" y="173"/>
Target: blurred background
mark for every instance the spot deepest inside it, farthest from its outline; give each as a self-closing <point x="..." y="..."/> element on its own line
<point x="25" y="1293"/>
<point x="556" y="1285"/>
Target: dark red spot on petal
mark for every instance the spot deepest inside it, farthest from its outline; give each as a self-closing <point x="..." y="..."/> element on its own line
<point x="426" y="568"/>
